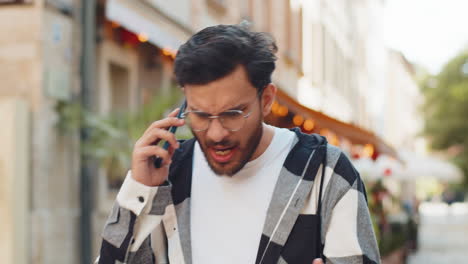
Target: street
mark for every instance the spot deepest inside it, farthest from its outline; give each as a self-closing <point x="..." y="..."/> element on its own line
<point x="443" y="234"/>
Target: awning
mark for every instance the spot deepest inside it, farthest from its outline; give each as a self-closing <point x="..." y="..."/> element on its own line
<point x="415" y="166"/>
<point x="383" y="167"/>
<point x="351" y="132"/>
<point x="140" y="18"/>
<point x="419" y="166"/>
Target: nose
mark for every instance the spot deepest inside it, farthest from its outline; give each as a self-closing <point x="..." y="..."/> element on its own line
<point x="216" y="132"/>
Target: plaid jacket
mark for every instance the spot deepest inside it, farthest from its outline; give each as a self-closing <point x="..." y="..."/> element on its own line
<point x="152" y="224"/>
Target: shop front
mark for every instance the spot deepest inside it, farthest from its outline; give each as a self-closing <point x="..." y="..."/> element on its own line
<point x="353" y="140"/>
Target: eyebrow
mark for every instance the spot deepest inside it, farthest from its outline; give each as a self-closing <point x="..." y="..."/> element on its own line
<point x="237" y="107"/>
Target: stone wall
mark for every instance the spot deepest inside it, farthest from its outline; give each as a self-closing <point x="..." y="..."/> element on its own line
<point x="37" y="40"/>
<point x="14" y="181"/>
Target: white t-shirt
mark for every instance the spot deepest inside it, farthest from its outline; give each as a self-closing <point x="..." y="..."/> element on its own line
<point x="228" y="213"/>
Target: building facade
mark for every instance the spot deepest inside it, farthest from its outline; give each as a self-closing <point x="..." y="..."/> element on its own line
<point x="39" y="58"/>
<point x="403" y="120"/>
<point x="343" y="59"/>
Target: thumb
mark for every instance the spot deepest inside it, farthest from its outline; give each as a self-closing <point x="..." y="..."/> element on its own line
<point x="317" y="261"/>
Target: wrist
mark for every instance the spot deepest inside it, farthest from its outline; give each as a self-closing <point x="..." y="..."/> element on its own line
<point x="147" y="182"/>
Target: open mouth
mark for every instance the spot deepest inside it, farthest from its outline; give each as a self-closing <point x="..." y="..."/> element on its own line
<point x="223" y="152"/>
<point x="222" y="155"/>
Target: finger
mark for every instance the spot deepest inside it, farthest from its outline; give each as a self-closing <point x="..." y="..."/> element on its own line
<point x="155" y="135"/>
<point x="171" y="114"/>
<point x="165" y="124"/>
<point x="317" y="261"/>
<point x="174" y="112"/>
<point x="145" y="153"/>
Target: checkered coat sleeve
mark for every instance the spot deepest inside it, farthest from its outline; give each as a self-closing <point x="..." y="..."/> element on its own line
<point x="134" y="231"/>
<point x="347" y="230"/>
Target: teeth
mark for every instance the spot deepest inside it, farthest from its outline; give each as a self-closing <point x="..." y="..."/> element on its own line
<point x="223" y="152"/>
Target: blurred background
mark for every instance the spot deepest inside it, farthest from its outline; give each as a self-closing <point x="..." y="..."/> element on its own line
<point x="387" y="81"/>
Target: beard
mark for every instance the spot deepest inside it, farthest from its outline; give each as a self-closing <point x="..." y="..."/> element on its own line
<point x="244" y="153"/>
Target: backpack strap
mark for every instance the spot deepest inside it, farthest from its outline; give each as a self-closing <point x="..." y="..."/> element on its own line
<point x="319" y="208"/>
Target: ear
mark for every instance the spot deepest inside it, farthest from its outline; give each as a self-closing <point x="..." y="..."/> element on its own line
<point x="268" y="96"/>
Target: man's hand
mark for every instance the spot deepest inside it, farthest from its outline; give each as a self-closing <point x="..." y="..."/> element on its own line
<point x="317" y="261"/>
<point x="143" y="169"/>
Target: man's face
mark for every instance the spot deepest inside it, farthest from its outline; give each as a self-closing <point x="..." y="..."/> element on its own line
<point x="227" y="151"/>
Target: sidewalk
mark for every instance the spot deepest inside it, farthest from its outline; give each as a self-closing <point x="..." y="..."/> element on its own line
<point x="443" y="234"/>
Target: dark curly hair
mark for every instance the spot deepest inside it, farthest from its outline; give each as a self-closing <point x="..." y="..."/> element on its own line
<point x="215" y="51"/>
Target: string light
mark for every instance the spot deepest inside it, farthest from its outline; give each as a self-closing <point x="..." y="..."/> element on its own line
<point x="309" y="125"/>
<point x="169" y="52"/>
<point x="114" y="24"/>
<point x="368" y="150"/>
<point x="334" y="140"/>
<point x="142" y="37"/>
<point x="283" y="111"/>
<point x="298" y="120"/>
<point x="324" y="132"/>
<point x="274" y="107"/>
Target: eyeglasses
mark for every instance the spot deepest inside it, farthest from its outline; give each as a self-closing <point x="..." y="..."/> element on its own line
<point x="232" y="120"/>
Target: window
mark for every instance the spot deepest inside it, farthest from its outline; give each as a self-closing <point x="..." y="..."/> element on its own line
<point x="325" y="51"/>
<point x="318" y="54"/>
<point x="120" y="94"/>
<point x="294" y="34"/>
<point x="299" y="40"/>
<point x="117" y="91"/>
<point x="291" y="37"/>
<point x="119" y="80"/>
<point x="246" y="9"/>
<point x="15" y="1"/>
<point x="251" y="9"/>
<point x="219" y="5"/>
<point x="151" y="71"/>
<point x="289" y="31"/>
<point x="267" y="17"/>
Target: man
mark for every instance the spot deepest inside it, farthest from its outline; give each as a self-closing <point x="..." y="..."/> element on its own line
<point x="241" y="191"/>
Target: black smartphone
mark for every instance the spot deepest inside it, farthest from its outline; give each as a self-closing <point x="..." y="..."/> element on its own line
<point x="172" y="129"/>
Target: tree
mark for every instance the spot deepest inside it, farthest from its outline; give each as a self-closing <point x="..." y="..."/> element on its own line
<point x="446" y="110"/>
<point x="113" y="136"/>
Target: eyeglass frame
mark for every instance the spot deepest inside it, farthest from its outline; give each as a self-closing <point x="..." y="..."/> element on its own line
<point x="211" y="117"/>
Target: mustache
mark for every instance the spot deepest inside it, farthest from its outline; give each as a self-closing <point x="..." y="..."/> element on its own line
<point x="221" y="144"/>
